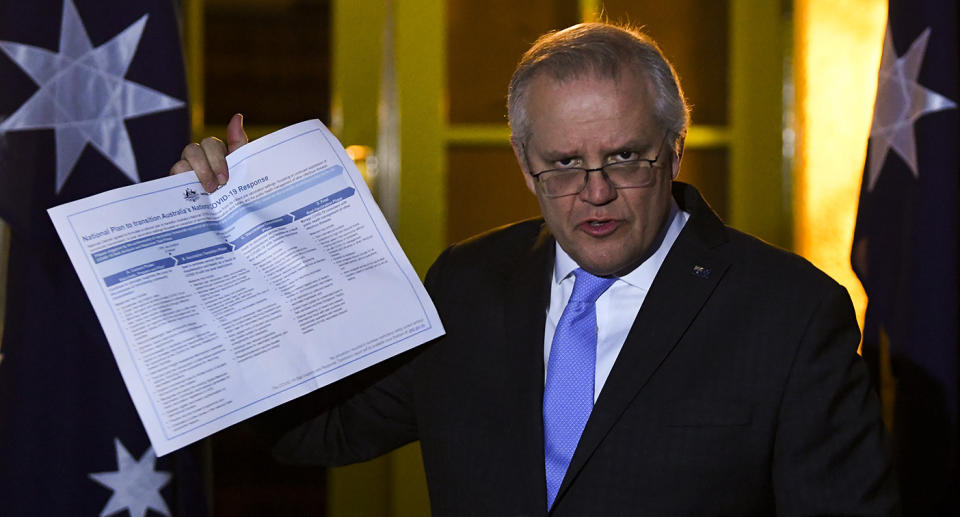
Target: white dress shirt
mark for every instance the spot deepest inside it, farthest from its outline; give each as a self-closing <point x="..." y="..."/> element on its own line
<point x="617" y="307"/>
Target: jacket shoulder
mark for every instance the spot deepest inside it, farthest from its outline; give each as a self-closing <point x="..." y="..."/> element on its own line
<point x="491" y="257"/>
<point x="775" y="266"/>
<point x="499" y="247"/>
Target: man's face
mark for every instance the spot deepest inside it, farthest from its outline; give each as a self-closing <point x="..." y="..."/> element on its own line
<point x="588" y="122"/>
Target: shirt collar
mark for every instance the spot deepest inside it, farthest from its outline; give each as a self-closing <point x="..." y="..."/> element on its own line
<point x="642" y="276"/>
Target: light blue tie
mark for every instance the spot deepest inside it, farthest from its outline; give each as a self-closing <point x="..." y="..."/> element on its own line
<point x="568" y="393"/>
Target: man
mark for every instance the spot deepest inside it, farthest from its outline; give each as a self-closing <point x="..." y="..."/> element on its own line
<point x="705" y="372"/>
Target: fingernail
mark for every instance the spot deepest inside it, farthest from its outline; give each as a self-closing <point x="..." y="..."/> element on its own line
<point x="222" y="179"/>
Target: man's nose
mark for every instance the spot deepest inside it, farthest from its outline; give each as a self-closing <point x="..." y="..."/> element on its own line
<point x="598" y="190"/>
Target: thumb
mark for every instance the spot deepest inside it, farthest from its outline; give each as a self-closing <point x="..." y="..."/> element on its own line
<point x="236" y="136"/>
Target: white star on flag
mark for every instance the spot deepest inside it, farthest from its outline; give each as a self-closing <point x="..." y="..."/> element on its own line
<point x="83" y="95"/>
<point x="136" y="486"/>
<point x="900" y="102"/>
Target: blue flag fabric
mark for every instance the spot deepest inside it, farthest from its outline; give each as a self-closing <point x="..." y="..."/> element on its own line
<point x="905" y="247"/>
<point x="92" y="97"/>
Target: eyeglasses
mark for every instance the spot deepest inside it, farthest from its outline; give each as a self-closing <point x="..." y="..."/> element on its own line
<point x="626" y="174"/>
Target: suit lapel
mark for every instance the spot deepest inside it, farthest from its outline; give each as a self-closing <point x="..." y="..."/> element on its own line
<point x="527" y="289"/>
<point x="685" y="281"/>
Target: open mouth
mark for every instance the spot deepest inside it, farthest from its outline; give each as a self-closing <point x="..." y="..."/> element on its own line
<point x="599" y="227"/>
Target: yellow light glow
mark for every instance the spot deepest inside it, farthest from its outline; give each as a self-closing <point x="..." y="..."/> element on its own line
<point x="838" y="46"/>
<point x="364" y="158"/>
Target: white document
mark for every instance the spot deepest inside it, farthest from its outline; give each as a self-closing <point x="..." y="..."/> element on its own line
<point x="218" y="307"/>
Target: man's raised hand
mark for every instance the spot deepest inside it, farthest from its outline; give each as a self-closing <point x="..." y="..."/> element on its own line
<point x="209" y="158"/>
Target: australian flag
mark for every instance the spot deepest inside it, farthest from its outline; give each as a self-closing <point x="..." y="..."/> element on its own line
<point x="92" y="97"/>
<point x="905" y="248"/>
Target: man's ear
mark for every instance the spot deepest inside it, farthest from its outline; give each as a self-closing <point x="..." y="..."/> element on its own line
<point x="677" y="157"/>
<point x="521" y="156"/>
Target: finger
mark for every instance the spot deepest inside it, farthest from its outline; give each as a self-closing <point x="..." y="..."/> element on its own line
<point x="236" y="136"/>
<point x="180" y="167"/>
<point x="194" y="155"/>
<point x="216" y="153"/>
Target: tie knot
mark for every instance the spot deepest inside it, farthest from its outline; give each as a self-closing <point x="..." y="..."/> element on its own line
<point x="588" y="288"/>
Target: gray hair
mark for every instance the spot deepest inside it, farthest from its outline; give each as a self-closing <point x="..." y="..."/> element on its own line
<point x="603" y="49"/>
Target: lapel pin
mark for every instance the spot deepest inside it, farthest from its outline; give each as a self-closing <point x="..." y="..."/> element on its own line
<point x="701" y="272"/>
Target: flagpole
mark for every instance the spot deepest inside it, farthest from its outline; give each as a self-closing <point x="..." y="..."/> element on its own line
<point x="4" y="253"/>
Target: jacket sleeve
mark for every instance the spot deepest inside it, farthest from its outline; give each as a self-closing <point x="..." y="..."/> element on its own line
<point x="358" y="418"/>
<point x="831" y="454"/>
<point x="368" y="422"/>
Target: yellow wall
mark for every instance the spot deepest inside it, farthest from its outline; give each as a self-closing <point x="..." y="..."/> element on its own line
<point x="837" y="50"/>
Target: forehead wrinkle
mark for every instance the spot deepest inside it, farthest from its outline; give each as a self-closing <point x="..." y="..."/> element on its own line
<point x="582" y="142"/>
<point x="590" y="116"/>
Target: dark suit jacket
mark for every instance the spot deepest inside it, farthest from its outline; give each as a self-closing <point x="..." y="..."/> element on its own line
<point x="737" y="392"/>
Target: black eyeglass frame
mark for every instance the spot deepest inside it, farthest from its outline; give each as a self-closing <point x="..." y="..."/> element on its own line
<point x="602" y="169"/>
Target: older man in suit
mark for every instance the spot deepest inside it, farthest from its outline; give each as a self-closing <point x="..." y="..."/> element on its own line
<point x="627" y="354"/>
